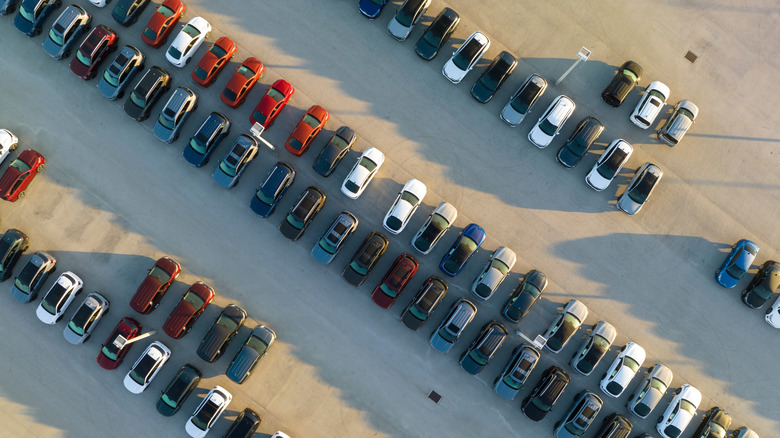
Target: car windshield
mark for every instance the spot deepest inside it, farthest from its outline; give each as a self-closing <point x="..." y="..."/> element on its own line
<point x="311" y="121"/>
<point x="685" y="405"/>
<point x="686" y="113"/>
<point x="512" y="382"/>
<point x="160" y="274"/>
<point x="246" y="72"/>
<point x="541" y="405"/>
<point x="500" y="266"/>
<point x="169" y="401"/>
<point x="275" y="94"/>
<point x="338" y="142"/>
<point x="410" y="198"/>
<point x="230" y="95"/>
<point x="198" y="143"/>
<point x="194" y="299"/>
<point x="110" y="350"/>
<point x="20" y="165"/>
<point x="609" y="168"/>
<point x="367" y="163"/>
<point x="466" y="246"/>
<point x="264" y="198"/>
<point x="56" y="37"/>
<point x="467" y="55"/>
<point x="257" y="115"/>
<point x="327" y="246"/>
<point x="257" y="344"/>
<point x="29" y="16"/>
<point x="477" y="357"/>
<point x="357" y="268"/>
<point x="140" y="372"/>
<point x="53" y="299"/>
<point x="111" y="79"/>
<point x="137" y="100"/>
<point x="672" y="431"/>
<point x="191" y="30"/>
<point x="292" y="220"/>
<point x="547" y="127"/>
<point x="631" y="364"/>
<point x="631" y="76"/>
<point x="642" y="189"/>
<point x="417" y="313"/>
<point x="735" y="271"/>
<point x="657" y="384"/>
<point x="351" y="186"/>
<point x="205" y="415"/>
<point x="200" y="73"/>
<point x="165" y="11"/>
<point x="228" y="170"/>
<point x="227" y="322"/>
<point x="489" y="80"/>
<point x="447" y="333"/>
<point x="174" y="52"/>
<point x="218" y="51"/>
<point x="82" y="319"/>
<point x="394" y="223"/>
<point x="569" y="325"/>
<point x="83" y="58"/>
<point x="596" y="352"/>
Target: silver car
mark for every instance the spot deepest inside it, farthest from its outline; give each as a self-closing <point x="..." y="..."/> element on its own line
<point x="516" y="371"/>
<point x="452" y="326"/>
<point x="609" y="164"/>
<point x="434" y="227"/>
<point x="177" y="110"/>
<point x="406" y="17"/>
<point x="650" y="391"/>
<point x="333" y="238"/>
<point x="523" y="100"/>
<point x="683" y="117"/>
<point x="494" y="272"/>
<point x="639" y="189"/>
<point x="86" y="318"/>
<point x="594" y="348"/>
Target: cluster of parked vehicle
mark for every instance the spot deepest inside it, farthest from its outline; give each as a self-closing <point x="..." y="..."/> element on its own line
<point x="22" y="170"/>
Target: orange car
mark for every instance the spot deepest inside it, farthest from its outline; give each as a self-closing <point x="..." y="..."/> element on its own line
<point x="241" y="82"/>
<point x="214" y="61"/>
<point x="308" y="128"/>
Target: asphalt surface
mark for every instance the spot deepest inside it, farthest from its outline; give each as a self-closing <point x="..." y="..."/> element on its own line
<point x="113" y="199"/>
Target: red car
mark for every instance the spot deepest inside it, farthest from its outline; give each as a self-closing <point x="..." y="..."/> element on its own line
<point x="310" y="125"/>
<point x="99" y="43"/>
<point x="150" y="291"/>
<point x="272" y="103"/>
<point x="214" y="61"/>
<point x="394" y="281"/>
<point x="192" y="304"/>
<point x="162" y="22"/>
<point x="242" y="82"/>
<point x="111" y="355"/>
<point x="20" y="173"/>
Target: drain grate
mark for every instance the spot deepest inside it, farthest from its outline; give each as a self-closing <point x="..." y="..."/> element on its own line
<point x="690" y="56"/>
<point x="435" y="396"/>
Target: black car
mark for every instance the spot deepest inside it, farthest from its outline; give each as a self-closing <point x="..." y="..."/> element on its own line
<point x="587" y="131"/>
<point x="270" y="192"/>
<point x="334" y="151"/>
<point x="364" y="259"/>
<point x="206" y="139"/>
<point x="244" y="425"/>
<point x="221" y="331"/>
<point x="127" y="63"/>
<point x="126" y="12"/>
<point x="499" y="70"/>
<point x="13" y="244"/>
<point x="615" y="426"/>
<point x="422" y="306"/>
<point x="582" y="412"/>
<point x="552" y="384"/>
<point x="624" y="81"/>
<point x="715" y="424"/>
<point x="33" y="275"/>
<point x="177" y="391"/>
<point x="763" y="285"/>
<point x="69" y="27"/>
<point x="437" y="34"/>
<point x="32" y="14"/>
<point x="525" y="295"/>
<point x="484" y="347"/>
<point x="146" y="93"/>
<point x="302" y="212"/>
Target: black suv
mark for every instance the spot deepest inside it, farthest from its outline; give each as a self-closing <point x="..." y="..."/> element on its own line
<point x="624" y="81"/>
<point x="492" y="78"/>
<point x="221" y="331"/>
<point x="12" y="245"/>
<point x="587" y="131"/>
<point x="334" y="151"/>
<point x="244" y="425"/>
<point x="421" y="307"/>
<point x="484" y="347"/>
<point x="146" y="93"/>
<point x="539" y="403"/>
<point x="437" y="34"/>
<point x="714" y="424"/>
<point x="177" y="391"/>
<point x="763" y="285"/>
<point x="301" y="214"/>
<point x="615" y="426"/>
<point x="126" y="12"/>
<point x="364" y="259"/>
<point x="270" y="192"/>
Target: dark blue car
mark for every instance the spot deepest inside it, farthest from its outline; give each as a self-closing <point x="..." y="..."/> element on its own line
<point x="467" y="243"/>
<point x="32" y="14"/>
<point x="371" y="8"/>
<point x="206" y="139"/>
<point x="737" y="263"/>
<point x="270" y="192"/>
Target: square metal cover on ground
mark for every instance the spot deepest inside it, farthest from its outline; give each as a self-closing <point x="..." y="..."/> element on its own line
<point x="435" y="396"/>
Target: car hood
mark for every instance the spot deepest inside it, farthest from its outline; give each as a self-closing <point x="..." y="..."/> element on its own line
<point x="539" y="138"/>
<point x="452" y="72"/>
<point x="624" y="376"/>
<point x="725" y="279"/>
<point x="261" y="209"/>
<point x="510" y="116"/>
<point x="132" y="110"/>
<point x="224" y="180"/>
<point x="524" y="302"/>
<point x="628" y="205"/>
<point x="161" y="132"/>
<point x="596" y="181"/>
<point x="567" y="158"/>
<point x="352" y="277"/>
<point x="370" y="9"/>
<point x="398" y="30"/>
<point x="290" y="231"/>
<point x="302" y="131"/>
<point x="469" y="365"/>
<point x="243" y="362"/>
<point x="107" y="90"/>
<point x="178" y="318"/>
<point x="22" y="24"/>
<point x="143" y="296"/>
<point x="410" y="321"/>
<point x="156" y="21"/>
<point x="402" y="210"/>
<point x="359" y="175"/>
<point x="438" y="343"/>
<point x="51" y="48"/>
<point x="504" y="391"/>
<point x="78" y="68"/>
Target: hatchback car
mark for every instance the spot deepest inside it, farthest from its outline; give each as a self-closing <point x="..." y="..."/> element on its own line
<point x="765" y="283"/>
<point x="683" y="117"/>
<point x="546" y="393"/>
<point x="680" y="412"/>
<point x="650" y="105"/>
<point x="594" y="348"/>
<point x="115" y="348"/>
<point x="484" y="347"/>
<point x="162" y="22"/>
<point x="467" y="243"/>
<point x="274" y="186"/>
<point x="213" y="61"/>
<point x="309" y="203"/>
<point x="8" y="143"/>
<point x="206" y="139"/>
<point x="127" y="63"/>
<point x="615" y="426"/>
<point x="582" y="413"/>
<point x="437" y="33"/>
<point x="453" y="324"/>
<point x="438" y="222"/>
<point x="146" y="367"/>
<point x="69" y="27"/>
<point x="12" y="245"/>
<point x="20" y="173"/>
<point x="242" y="82"/>
<point x="647" y="395"/>
<point x="207" y="412"/>
<point x="154" y="83"/>
<point x="221" y="331"/>
<point x="466" y="57"/>
<point x="160" y="277"/>
<point x="187" y="42"/>
<point x="325" y="250"/>
<point x="371" y="8"/>
<point x="126" y="12"/>
<point x="245" y="424"/>
<point x="243" y="150"/>
<point x="32" y="14"/>
<point x="310" y="125"/>
<point x="364" y="259"/>
<point x="272" y="103"/>
<point x="625" y="366"/>
<point x="331" y="154"/>
<point x="515" y="374"/>
<point x="174" y="114"/>
<point x="410" y="12"/>
<point x="639" y="189"/>
<point x="626" y="78"/>
<point x="86" y="318"/>
<point x="362" y="173"/>
<point x="190" y="307"/>
<point x="182" y="384"/>
<point x="249" y="355"/>
<point x="609" y="164"/>
<point x="523" y="100"/>
<point x="59" y="297"/>
<point x="551" y="121"/>
<point x="33" y="275"/>
<point x="579" y="142"/>
<point x="493" y="77"/>
<point x="736" y="264"/>
<point x="424" y="303"/>
<point x="772" y="316"/>
<point x="715" y="424"/>
<point x="563" y="327"/>
<point x="406" y="203"/>
<point x="493" y="274"/>
<point x="395" y="280"/>
<point x="93" y="50"/>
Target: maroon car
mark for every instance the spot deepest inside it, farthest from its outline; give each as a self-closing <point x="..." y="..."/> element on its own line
<point x="95" y="47"/>
<point x="20" y="173"/>
<point x="147" y="296"/>
<point x="191" y="305"/>
<point x="114" y="350"/>
<point x="394" y="281"/>
<point x="272" y="103"/>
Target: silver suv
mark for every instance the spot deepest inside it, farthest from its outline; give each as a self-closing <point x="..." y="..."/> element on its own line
<point x="683" y="116"/>
<point x="182" y="103"/>
<point x="460" y="315"/>
<point x="70" y="26"/>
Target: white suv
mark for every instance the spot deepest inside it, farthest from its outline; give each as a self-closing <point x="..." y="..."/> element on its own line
<point x="146" y="367"/>
<point x="467" y="55"/>
<point x="551" y="121"/>
<point x="650" y="106"/>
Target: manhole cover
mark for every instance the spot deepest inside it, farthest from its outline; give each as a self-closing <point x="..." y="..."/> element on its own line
<point x="435" y="396"/>
<point x="690" y="56"/>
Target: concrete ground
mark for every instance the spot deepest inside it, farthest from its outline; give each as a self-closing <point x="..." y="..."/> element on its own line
<point x="113" y="199"/>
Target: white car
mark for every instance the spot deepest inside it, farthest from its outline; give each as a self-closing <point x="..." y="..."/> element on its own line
<point x="406" y="17"/>
<point x="100" y="3"/>
<point x="680" y="412"/>
<point x="434" y="227"/>
<point x="146" y="367"/>
<point x="8" y="142"/>
<point x="494" y="272"/>
<point x="208" y="411"/>
<point x="280" y="434"/>
<point x="59" y="297"/>
<point x="551" y="121"/>
<point x="187" y="42"/>
<point x="623" y="369"/>
<point x="772" y="316"/>
<point x="466" y="57"/>
<point x="405" y="205"/>
<point x="609" y="164"/>
<point x="650" y="105"/>
<point x="362" y="172"/>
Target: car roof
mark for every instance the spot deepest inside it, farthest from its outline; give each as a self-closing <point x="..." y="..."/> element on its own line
<point x="463" y="311"/>
<point x="560" y="109"/>
<point x="70" y="14"/>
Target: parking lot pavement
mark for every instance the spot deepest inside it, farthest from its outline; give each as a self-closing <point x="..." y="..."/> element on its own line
<point x="113" y="199"/>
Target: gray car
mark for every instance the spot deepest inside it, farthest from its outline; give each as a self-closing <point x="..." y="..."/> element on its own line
<point x="410" y="12"/>
<point x="452" y="326"/>
<point x="333" y="238"/>
<point x="639" y="189"/>
<point x="180" y="105"/>
<point x="523" y="100"/>
<point x="650" y="391"/>
<point x="434" y="227"/>
<point x="86" y="318"/>
<point x="127" y="63"/>
<point x="494" y="272"/>
<point x="243" y="150"/>
<point x="32" y="277"/>
<point x="594" y="348"/>
<point x="70" y="26"/>
<point x="683" y="117"/>
<point x="521" y="364"/>
<point x="568" y="321"/>
<point x="249" y="355"/>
